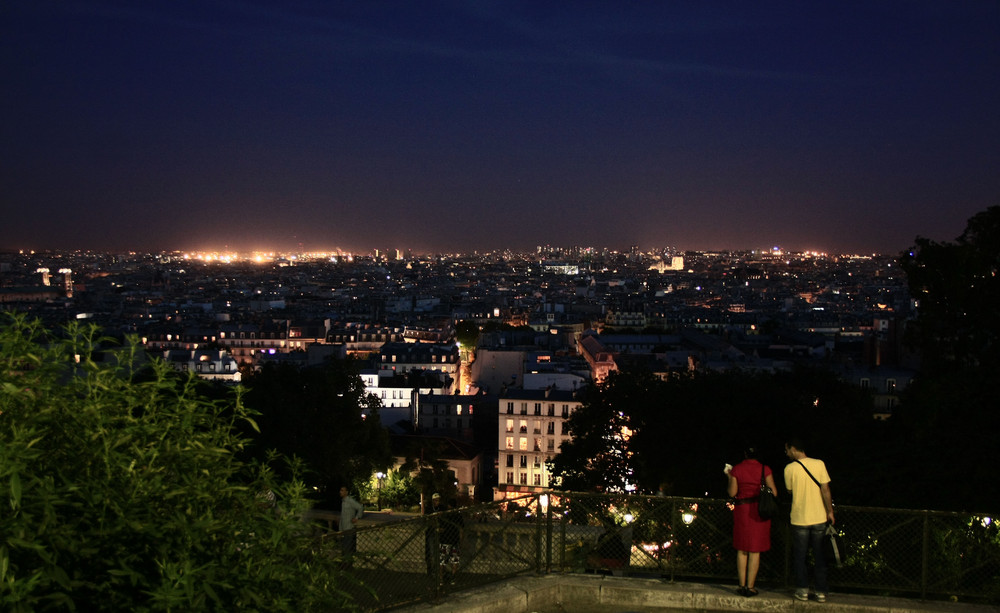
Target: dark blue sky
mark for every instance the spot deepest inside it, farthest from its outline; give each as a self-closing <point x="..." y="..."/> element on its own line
<point x="459" y="126"/>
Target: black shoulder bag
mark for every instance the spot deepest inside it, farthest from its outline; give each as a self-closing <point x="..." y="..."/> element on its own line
<point x="767" y="504"/>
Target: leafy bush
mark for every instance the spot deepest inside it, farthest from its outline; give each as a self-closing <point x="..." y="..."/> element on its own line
<point x="126" y="491"/>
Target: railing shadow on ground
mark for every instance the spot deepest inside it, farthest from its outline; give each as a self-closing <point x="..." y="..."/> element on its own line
<point x="892" y="552"/>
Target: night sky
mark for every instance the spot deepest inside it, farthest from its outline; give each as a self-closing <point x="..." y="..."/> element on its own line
<point x="458" y="126"/>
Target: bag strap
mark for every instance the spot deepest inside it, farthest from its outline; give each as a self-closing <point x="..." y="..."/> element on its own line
<point x="809" y="473"/>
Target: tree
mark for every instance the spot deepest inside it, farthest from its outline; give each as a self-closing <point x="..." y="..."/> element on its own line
<point x="599" y="457"/>
<point x="429" y="470"/>
<point x="635" y="429"/>
<point x="323" y="415"/>
<point x="467" y="333"/>
<point x="126" y="491"/>
<point x="947" y="415"/>
<point x="958" y="294"/>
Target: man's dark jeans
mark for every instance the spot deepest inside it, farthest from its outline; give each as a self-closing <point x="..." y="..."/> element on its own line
<point x="804" y="537"/>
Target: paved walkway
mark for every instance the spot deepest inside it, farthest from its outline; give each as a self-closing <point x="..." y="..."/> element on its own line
<point x="593" y="593"/>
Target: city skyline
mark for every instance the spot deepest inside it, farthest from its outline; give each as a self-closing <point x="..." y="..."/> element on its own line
<point x="459" y="127"/>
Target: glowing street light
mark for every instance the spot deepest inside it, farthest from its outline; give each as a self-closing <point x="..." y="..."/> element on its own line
<point x="378" y="497"/>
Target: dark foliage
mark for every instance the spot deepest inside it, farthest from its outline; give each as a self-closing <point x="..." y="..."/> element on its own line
<point x="316" y="414"/>
<point x="682" y="430"/>
<point x="946" y="425"/>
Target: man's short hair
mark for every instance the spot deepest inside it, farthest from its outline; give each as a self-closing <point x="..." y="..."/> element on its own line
<point x="797" y="442"/>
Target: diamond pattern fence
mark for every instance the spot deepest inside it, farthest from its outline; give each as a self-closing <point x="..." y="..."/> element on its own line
<point x="925" y="554"/>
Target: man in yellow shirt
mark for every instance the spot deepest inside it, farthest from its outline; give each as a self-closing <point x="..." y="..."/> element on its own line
<point x="808" y="483"/>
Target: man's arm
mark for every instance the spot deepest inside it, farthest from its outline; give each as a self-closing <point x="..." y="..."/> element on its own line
<point x="824" y="489"/>
<point x="359" y="510"/>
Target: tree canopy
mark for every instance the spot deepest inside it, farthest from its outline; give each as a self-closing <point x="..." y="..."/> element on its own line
<point x="958" y="295"/>
<point x="126" y="490"/>
<point x="638" y="430"/>
<point x="323" y="415"/>
<point x="948" y="415"/>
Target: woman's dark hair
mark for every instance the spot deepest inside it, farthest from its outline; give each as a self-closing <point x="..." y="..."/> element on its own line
<point x="749" y="452"/>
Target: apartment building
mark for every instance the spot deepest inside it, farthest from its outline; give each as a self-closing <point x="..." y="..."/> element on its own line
<point x="209" y="364"/>
<point x="532" y="427"/>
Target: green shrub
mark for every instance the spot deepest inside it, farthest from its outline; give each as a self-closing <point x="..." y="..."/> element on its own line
<point x="124" y="489"/>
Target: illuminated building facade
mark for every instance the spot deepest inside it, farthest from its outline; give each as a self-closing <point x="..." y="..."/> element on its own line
<point x="532" y="427"/>
<point x="401" y="358"/>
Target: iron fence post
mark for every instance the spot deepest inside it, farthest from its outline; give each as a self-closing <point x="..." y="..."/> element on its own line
<point x="538" y="537"/>
<point x="548" y="538"/>
<point x="924" y="553"/>
<point x="562" y="542"/>
<point x="673" y="539"/>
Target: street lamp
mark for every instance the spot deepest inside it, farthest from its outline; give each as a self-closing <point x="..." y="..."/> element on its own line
<point x="378" y="498"/>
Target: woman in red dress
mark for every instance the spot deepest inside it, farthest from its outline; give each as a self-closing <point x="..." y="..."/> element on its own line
<point x="751" y="534"/>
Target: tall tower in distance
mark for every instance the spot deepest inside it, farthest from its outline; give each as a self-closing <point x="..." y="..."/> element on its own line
<point x="67" y="281"/>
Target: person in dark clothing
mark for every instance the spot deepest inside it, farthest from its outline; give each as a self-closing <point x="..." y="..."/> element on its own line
<point x="452" y="529"/>
<point x="431" y="539"/>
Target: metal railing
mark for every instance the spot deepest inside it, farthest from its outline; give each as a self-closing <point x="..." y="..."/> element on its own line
<point x="925" y="554"/>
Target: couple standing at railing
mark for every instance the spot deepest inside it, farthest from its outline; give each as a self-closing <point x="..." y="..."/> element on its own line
<point x="808" y="482"/>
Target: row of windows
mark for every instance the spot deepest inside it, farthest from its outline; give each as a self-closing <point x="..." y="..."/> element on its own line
<point x="522" y="443"/>
<point x="522" y="460"/>
<point x="536" y="479"/>
<point x="273" y="335"/>
<point x="434" y="358"/>
<point x="550" y="427"/>
<point x="443" y="408"/>
<point x="361" y="338"/>
<point x="890" y="385"/>
<point x="550" y="410"/>
<point x="256" y="344"/>
<point x="402" y="395"/>
<point x="200" y="367"/>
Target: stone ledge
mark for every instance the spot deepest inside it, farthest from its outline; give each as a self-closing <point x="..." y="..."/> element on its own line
<point x="554" y="592"/>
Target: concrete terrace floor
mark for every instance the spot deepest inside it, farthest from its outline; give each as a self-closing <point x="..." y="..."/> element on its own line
<point x="590" y="594"/>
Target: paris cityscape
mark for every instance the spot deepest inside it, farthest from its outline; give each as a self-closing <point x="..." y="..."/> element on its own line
<point x="554" y="319"/>
<point x="347" y="306"/>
